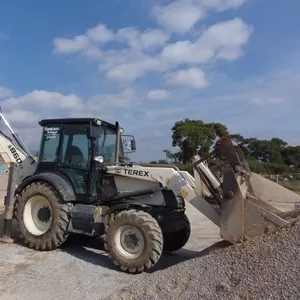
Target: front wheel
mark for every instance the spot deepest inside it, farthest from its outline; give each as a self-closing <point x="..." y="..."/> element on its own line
<point x="134" y="241"/>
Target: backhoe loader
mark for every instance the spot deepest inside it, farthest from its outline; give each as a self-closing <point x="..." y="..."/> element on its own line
<point x="82" y="183"/>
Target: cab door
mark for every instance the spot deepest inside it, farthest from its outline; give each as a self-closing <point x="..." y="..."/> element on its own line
<point x="75" y="157"/>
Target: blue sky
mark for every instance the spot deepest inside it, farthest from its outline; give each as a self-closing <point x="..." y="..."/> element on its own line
<point x="150" y="63"/>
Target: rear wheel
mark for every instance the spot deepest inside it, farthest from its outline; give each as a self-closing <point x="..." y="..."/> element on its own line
<point x="42" y="217"/>
<point x="175" y="240"/>
<point x="134" y="241"/>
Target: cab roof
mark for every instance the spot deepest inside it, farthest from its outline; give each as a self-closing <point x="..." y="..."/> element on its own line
<point x="62" y="121"/>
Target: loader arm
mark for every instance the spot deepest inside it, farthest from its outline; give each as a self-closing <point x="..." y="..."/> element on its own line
<point x="232" y="204"/>
<point x="182" y="183"/>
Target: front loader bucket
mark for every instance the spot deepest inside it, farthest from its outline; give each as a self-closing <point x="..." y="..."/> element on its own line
<point x="246" y="210"/>
<point x="243" y="216"/>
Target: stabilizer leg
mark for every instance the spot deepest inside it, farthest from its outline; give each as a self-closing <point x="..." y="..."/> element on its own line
<point x="9" y="207"/>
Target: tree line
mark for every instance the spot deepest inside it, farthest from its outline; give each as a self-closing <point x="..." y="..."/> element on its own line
<point x="269" y="156"/>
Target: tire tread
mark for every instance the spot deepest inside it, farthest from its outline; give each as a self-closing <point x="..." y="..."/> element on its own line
<point x="154" y="239"/>
<point x="58" y="232"/>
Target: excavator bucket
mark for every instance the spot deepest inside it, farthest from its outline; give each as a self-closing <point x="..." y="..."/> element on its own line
<point x="245" y="202"/>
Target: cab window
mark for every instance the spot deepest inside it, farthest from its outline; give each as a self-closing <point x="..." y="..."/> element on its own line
<point x="50" y="143"/>
<point x="75" y="147"/>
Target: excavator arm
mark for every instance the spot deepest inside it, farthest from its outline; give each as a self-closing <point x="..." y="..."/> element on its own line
<point x="21" y="164"/>
<point x="13" y="150"/>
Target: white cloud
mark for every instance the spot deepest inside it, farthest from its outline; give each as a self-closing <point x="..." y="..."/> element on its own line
<point x="192" y="77"/>
<point x="154" y="123"/>
<point x="39" y="99"/>
<point x="100" y="34"/>
<point x="148" y="39"/>
<point x="24" y="112"/>
<point x="79" y="43"/>
<point x="180" y="16"/>
<point x="223" y="40"/>
<point x="5" y="92"/>
<point x="45" y="104"/>
<point x="182" y="52"/>
<point x="22" y="118"/>
<point x="158" y="95"/>
<point x="146" y="51"/>
<point x="131" y="71"/>
<point x="220" y="5"/>
<point x="231" y="33"/>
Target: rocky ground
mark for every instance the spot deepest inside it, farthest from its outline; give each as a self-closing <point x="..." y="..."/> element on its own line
<point x="267" y="268"/>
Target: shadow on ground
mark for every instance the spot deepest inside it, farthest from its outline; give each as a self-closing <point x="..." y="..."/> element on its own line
<point x="88" y="249"/>
<point x="91" y="250"/>
<point x="171" y="259"/>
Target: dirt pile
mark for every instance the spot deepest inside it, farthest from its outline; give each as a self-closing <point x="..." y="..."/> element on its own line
<point x="265" y="268"/>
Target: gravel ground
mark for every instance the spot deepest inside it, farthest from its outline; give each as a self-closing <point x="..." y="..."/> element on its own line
<point x="236" y="272"/>
<point x="74" y="272"/>
<point x="82" y="270"/>
<point x="266" y="268"/>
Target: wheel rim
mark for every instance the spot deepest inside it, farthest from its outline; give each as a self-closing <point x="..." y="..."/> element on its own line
<point x="37" y="215"/>
<point x="129" y="241"/>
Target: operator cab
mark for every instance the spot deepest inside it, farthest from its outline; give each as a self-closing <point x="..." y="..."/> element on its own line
<point x="74" y="147"/>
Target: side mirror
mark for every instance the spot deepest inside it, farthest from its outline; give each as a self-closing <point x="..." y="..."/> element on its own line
<point x="133" y="145"/>
<point x="99" y="159"/>
<point x="128" y="143"/>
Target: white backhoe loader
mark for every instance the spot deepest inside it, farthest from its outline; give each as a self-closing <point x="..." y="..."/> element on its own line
<point x="83" y="183"/>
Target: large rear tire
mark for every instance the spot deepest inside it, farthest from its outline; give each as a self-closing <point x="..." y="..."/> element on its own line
<point x="175" y="240"/>
<point x="42" y="217"/>
<point x="134" y="241"/>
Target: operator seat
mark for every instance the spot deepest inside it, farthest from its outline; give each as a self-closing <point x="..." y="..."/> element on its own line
<point x="74" y="155"/>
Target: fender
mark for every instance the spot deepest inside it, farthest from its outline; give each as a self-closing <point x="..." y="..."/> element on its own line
<point x="58" y="181"/>
<point x="125" y="206"/>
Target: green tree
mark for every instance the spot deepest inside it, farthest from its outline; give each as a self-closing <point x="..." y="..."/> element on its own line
<point x="266" y="151"/>
<point x="168" y="154"/>
<point x="152" y="162"/>
<point x="195" y="137"/>
<point x="273" y="156"/>
<point x="291" y="156"/>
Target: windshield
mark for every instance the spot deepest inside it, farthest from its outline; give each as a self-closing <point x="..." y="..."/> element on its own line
<point x="106" y="142"/>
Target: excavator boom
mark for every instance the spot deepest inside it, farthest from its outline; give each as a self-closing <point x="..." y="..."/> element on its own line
<point x="13" y="150"/>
